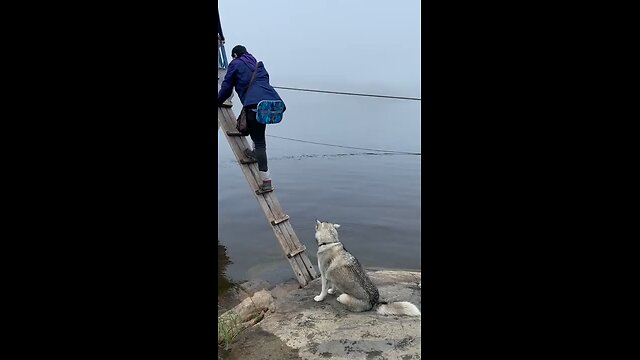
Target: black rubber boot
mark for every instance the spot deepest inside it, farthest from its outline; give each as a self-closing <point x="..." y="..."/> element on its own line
<point x="265" y="187"/>
<point x="250" y="157"/>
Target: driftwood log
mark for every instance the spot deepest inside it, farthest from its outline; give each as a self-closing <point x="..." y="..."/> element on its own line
<point x="249" y="312"/>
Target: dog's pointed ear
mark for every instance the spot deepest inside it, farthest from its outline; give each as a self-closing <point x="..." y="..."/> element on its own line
<point x="337" y="226"/>
<point x="318" y="222"/>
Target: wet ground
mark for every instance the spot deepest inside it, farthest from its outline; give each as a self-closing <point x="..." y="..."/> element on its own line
<point x="301" y="328"/>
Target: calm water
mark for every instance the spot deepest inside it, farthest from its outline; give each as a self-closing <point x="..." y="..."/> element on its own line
<point x="375" y="197"/>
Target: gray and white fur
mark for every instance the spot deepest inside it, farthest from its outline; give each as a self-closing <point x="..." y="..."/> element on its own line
<point x="344" y="273"/>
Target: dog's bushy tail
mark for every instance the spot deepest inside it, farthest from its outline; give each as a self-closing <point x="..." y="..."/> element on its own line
<point x="398" y="308"/>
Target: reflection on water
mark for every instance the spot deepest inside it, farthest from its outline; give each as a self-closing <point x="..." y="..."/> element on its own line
<point x="224" y="283"/>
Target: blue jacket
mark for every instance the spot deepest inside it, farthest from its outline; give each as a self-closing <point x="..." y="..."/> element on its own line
<point x="239" y="75"/>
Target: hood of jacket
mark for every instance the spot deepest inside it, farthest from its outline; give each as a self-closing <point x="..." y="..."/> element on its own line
<point x="249" y="60"/>
<point x="239" y="76"/>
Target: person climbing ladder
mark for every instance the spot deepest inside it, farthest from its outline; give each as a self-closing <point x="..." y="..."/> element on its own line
<point x="239" y="75"/>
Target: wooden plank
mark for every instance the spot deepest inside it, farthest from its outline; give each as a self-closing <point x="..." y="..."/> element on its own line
<point x="276" y="209"/>
<point x="288" y="246"/>
<point x="299" y="274"/>
<point x="298" y="266"/>
<point x="274" y="205"/>
<point x="272" y="208"/>
<point x="228" y="123"/>
<point x="292" y="239"/>
<point x="305" y="259"/>
<point x="287" y="237"/>
<point x="288" y="229"/>
<point x="289" y="242"/>
<point x="294" y="242"/>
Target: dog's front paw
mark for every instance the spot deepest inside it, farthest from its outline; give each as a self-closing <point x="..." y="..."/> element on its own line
<point x="318" y="298"/>
<point x="331" y="291"/>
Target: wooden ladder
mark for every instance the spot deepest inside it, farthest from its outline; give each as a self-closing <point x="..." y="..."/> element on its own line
<point x="279" y="221"/>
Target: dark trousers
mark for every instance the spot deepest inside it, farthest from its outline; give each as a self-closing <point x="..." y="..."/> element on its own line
<point x="256" y="132"/>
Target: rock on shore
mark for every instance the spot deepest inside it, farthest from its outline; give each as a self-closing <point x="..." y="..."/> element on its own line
<point x="294" y="326"/>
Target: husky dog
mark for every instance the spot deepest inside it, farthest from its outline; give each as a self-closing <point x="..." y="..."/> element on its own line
<point x="343" y="271"/>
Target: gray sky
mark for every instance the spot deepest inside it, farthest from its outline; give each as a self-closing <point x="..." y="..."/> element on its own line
<point x="368" y="46"/>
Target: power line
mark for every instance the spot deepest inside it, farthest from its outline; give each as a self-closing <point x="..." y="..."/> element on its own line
<point x="346" y="147"/>
<point x="348" y="93"/>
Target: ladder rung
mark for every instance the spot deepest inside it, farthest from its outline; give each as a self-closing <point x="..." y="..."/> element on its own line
<point x="234" y="133"/>
<point x="297" y="251"/>
<point x="276" y="222"/>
